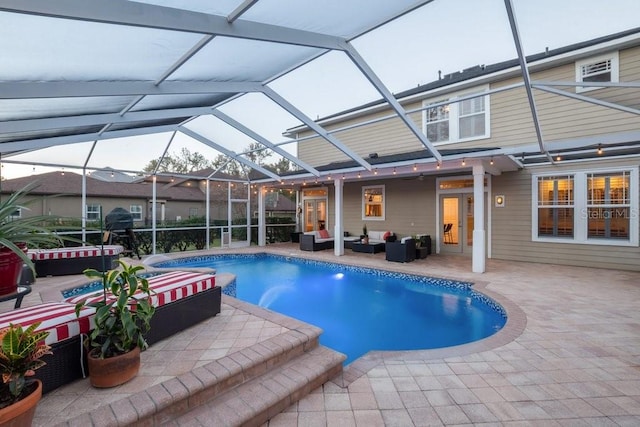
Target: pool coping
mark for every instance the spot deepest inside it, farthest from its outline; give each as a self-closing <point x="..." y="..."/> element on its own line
<point x="513" y="328"/>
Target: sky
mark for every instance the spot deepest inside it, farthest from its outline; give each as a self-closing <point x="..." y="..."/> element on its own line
<point x="444" y="36"/>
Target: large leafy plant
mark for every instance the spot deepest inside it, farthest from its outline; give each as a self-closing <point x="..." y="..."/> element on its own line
<point x="20" y="353"/>
<point x="121" y="318"/>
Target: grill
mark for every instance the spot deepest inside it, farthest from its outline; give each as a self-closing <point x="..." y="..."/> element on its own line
<point x="118" y="225"/>
<point x="118" y="219"/>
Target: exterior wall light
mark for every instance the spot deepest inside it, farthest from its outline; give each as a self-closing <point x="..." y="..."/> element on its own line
<point x="499" y="201"/>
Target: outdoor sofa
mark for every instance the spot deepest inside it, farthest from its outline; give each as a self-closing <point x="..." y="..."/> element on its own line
<point x="181" y="298"/>
<point x="316" y="240"/>
<point x="73" y="260"/>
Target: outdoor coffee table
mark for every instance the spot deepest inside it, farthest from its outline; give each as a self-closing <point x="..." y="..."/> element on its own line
<point x="369" y="248"/>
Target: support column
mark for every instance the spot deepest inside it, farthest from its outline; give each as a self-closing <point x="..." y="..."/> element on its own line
<point x="479" y="234"/>
<point x="338" y="235"/>
<point x="262" y="228"/>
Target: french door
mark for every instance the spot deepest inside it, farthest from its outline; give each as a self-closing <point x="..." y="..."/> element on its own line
<point x="456" y="216"/>
<point x="315" y="214"/>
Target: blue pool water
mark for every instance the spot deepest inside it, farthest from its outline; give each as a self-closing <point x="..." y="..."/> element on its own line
<point x="360" y="309"/>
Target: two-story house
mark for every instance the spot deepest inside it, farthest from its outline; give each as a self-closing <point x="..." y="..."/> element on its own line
<point x="548" y="175"/>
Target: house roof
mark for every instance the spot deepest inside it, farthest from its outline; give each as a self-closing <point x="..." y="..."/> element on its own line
<point x="70" y="184"/>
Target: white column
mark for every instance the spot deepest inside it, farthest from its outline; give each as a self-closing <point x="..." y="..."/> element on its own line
<point x="154" y="214"/>
<point x="262" y="227"/>
<point x="207" y="212"/>
<point x="479" y="234"/>
<point x="338" y="234"/>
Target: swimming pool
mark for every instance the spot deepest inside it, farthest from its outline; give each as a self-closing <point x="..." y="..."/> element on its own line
<point x="360" y="309"/>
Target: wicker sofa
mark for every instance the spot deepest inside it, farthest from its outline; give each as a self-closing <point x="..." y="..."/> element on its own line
<point x="181" y="298"/>
<point x="316" y="240"/>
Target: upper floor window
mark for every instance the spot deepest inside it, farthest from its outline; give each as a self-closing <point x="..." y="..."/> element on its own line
<point x="602" y="68"/>
<point x="457" y="121"/>
<point x="136" y="212"/>
<point x="93" y="212"/>
<point x="373" y="202"/>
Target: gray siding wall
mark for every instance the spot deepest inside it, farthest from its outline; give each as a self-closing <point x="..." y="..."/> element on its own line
<point x="410" y="207"/>
<point x="511" y="230"/>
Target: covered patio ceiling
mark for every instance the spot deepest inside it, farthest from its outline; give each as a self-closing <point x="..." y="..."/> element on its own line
<point x="86" y="74"/>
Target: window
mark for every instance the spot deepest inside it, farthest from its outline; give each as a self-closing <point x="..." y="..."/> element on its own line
<point x="16" y="214"/>
<point x="193" y="212"/>
<point x="598" y="69"/>
<point x="93" y="212"/>
<point x="608" y="206"/>
<point x="373" y="201"/>
<point x="457" y="121"/>
<point x="437" y="120"/>
<point x="587" y="207"/>
<point x="555" y="206"/>
<point x="136" y="212"/>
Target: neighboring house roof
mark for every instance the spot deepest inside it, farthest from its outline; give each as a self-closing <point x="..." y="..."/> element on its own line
<point x="71" y="184"/>
<point x="277" y="202"/>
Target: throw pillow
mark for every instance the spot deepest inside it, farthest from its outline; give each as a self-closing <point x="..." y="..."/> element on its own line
<point x="386" y="235"/>
<point x="324" y="234"/>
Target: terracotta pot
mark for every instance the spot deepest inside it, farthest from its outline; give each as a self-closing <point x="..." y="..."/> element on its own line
<point x="10" y="269"/>
<point x="113" y="371"/>
<point x="21" y="413"/>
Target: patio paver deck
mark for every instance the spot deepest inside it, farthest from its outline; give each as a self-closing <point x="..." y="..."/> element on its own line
<point x="574" y="358"/>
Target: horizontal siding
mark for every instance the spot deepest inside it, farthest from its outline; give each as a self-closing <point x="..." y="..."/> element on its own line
<point x="511" y="230"/>
<point x="409" y="204"/>
<point x="511" y="120"/>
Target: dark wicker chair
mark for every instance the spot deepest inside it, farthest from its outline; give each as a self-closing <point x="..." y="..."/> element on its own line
<point x="401" y="252"/>
<point x="308" y="243"/>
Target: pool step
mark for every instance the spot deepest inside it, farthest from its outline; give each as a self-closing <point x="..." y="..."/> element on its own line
<point x="255" y="402"/>
<point x="249" y="385"/>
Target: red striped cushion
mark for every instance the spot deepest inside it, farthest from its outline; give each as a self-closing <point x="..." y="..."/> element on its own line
<point x="77" y="252"/>
<point x="58" y="318"/>
<point x="167" y="287"/>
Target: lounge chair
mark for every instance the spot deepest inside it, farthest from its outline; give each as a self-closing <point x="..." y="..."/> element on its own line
<point x="182" y="299"/>
<point x="74" y="260"/>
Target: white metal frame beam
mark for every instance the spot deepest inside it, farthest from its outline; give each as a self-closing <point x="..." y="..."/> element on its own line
<point x="24" y="90"/>
<point x="525" y="75"/>
<point x="121" y="12"/>
<point x="259" y="138"/>
<point x="275" y="97"/>
<point x="362" y="65"/>
<point x="207" y="141"/>
<point x="588" y="99"/>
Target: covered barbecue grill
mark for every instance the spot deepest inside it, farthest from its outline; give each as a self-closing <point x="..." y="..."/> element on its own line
<point x="118" y="225"/>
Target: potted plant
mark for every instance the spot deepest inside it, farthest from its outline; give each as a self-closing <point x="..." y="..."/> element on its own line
<point x="121" y="319"/>
<point x="20" y="353"/>
<point x="17" y="233"/>
<point x="365" y="235"/>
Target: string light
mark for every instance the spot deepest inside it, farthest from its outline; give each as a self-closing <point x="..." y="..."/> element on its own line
<point x="394" y="171"/>
<point x="62" y="173"/>
<point x="438" y="165"/>
<point x="491" y="162"/>
<point x="463" y="162"/>
<point x="415" y="167"/>
<point x="558" y="158"/>
<point x="359" y="176"/>
<point x="599" y="150"/>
